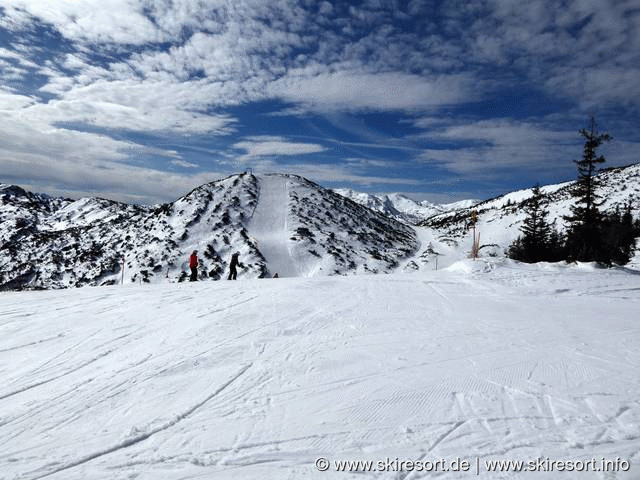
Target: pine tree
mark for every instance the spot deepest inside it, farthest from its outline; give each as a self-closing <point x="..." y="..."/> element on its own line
<point x="618" y="237"/>
<point x="535" y="228"/>
<point x="539" y="240"/>
<point x="584" y="237"/>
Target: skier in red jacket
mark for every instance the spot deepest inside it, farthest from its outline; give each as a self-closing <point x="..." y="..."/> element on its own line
<point x="193" y="265"/>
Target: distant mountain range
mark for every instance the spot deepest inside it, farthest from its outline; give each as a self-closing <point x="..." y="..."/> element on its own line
<point x="281" y="224"/>
<point x="402" y="207"/>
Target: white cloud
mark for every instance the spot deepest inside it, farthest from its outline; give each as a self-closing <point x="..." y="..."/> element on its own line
<point x="138" y="106"/>
<point x="500" y="145"/>
<point x="599" y="86"/>
<point x="10" y="101"/>
<point x="25" y="137"/>
<point x="336" y="173"/>
<point x="266" y="146"/>
<point x="587" y="51"/>
<point x="358" y="90"/>
<point x="325" y="8"/>
<point x="119" y="21"/>
<point x="183" y="163"/>
<point x="60" y="160"/>
<point x="248" y="46"/>
<point x="505" y="132"/>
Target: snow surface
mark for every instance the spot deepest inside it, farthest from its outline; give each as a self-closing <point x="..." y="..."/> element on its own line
<point x="268" y="225"/>
<point x="256" y="379"/>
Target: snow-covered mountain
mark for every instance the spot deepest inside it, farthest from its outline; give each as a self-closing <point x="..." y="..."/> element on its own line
<point x="54" y="243"/>
<point x="20" y="209"/>
<point x="402" y="207"/>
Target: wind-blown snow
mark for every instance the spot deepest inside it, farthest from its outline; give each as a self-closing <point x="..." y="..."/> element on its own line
<point x="256" y="379"/>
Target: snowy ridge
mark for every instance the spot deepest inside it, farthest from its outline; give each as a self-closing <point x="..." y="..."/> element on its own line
<point x="22" y="209"/>
<point x="258" y="379"/>
<point x="87" y="241"/>
<point x="281" y="224"/>
<point x="445" y="236"/>
<point x="49" y="243"/>
<point x="334" y="235"/>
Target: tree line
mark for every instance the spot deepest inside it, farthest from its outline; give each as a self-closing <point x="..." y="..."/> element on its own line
<point x="591" y="235"/>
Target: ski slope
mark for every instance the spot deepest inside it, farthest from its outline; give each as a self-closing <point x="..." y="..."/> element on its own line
<point x="258" y="379"/>
<point x="269" y="225"/>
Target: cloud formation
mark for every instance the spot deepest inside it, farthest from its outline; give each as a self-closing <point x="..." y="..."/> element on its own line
<point x="343" y="90"/>
<point x="114" y="78"/>
<point x="261" y="147"/>
<point x="485" y="147"/>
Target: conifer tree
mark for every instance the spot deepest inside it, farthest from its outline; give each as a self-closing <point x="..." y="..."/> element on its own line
<point x="584" y="236"/>
<point x="539" y="240"/>
<point x="618" y="237"/>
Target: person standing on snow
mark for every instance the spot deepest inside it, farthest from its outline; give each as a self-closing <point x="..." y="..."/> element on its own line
<point x="233" y="272"/>
<point x="193" y="265"/>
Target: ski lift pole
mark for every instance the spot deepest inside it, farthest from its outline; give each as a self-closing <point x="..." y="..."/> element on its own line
<point x="122" y="281"/>
<point x="476" y="240"/>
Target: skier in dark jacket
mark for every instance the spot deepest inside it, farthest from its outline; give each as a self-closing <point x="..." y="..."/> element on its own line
<point x="233" y="272"/>
<point x="193" y="265"/>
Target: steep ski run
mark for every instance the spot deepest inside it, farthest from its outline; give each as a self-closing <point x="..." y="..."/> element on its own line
<point x="268" y="225"/>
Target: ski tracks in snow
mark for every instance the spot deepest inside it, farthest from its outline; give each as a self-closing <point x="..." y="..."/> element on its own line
<point x="261" y="377"/>
<point x="48" y="380"/>
<point x="140" y="437"/>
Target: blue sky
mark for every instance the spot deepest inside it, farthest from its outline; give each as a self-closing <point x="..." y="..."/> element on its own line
<point x="142" y="100"/>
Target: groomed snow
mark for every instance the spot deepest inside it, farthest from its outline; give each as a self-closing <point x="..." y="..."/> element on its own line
<point x="257" y="379"/>
<point x="268" y="225"/>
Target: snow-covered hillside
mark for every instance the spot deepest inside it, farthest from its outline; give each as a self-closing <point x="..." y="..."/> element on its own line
<point x="264" y="378"/>
<point x="53" y="243"/>
<point x="499" y="219"/>
<point x="22" y="209"/>
<point x="87" y="241"/>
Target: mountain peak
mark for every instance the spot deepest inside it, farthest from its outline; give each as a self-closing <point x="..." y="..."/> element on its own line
<point x="279" y="223"/>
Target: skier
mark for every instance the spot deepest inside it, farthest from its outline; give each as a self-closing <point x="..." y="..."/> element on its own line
<point x="193" y="265"/>
<point x="233" y="272"/>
